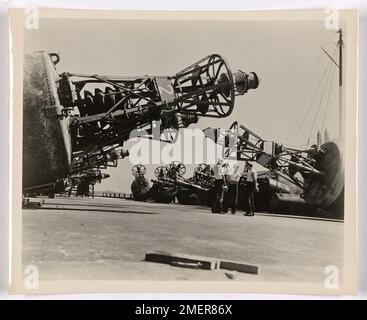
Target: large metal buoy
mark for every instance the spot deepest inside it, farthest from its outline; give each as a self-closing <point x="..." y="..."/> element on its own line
<point x="140" y="187"/>
<point x="324" y="190"/>
<point x="46" y="136"/>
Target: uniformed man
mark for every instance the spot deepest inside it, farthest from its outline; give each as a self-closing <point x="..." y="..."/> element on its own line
<point x="250" y="188"/>
<point x="231" y="196"/>
<point x="220" y="187"/>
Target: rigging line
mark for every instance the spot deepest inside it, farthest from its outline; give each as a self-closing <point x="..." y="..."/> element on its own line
<point x="334" y="46"/>
<point x="313" y="98"/>
<point x="315" y="93"/>
<point x="327" y="101"/>
<point x="308" y="91"/>
<point x="324" y="102"/>
<point x="320" y="103"/>
<point x="329" y="92"/>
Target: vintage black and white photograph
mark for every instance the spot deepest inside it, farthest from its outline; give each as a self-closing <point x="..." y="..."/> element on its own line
<point x="216" y="150"/>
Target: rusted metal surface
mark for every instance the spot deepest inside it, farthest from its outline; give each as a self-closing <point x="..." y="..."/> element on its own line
<point x="326" y="190"/>
<point x="46" y="138"/>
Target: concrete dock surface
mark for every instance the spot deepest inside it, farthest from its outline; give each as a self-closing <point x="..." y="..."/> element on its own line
<point x="107" y="239"/>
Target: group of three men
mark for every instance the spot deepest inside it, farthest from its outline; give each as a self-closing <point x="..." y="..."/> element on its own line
<point x="228" y="183"/>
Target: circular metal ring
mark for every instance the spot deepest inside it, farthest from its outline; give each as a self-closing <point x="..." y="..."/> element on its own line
<point x="138" y="170"/>
<point x="228" y="93"/>
<point x="179" y="167"/>
<point x="55" y="58"/>
<point x="159" y="171"/>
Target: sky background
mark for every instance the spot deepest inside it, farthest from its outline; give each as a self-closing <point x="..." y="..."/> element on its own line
<point x="285" y="55"/>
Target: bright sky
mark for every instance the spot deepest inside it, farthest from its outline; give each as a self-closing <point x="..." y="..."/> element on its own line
<point x="285" y="55"/>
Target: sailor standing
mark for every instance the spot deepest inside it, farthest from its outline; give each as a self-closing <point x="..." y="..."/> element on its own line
<point x="219" y="187"/>
<point x="231" y="196"/>
<point x="250" y="189"/>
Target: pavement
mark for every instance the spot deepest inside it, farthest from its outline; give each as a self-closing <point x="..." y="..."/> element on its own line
<point x="107" y="239"/>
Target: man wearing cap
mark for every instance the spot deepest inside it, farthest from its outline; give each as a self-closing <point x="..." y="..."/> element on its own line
<point x="219" y="187"/>
<point x="250" y="189"/>
<point x="231" y="196"/>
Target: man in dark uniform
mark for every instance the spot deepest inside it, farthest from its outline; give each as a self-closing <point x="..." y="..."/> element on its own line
<point x="231" y="196"/>
<point x="250" y="189"/>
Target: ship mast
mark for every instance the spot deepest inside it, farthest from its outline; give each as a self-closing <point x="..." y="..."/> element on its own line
<point x="339" y="65"/>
